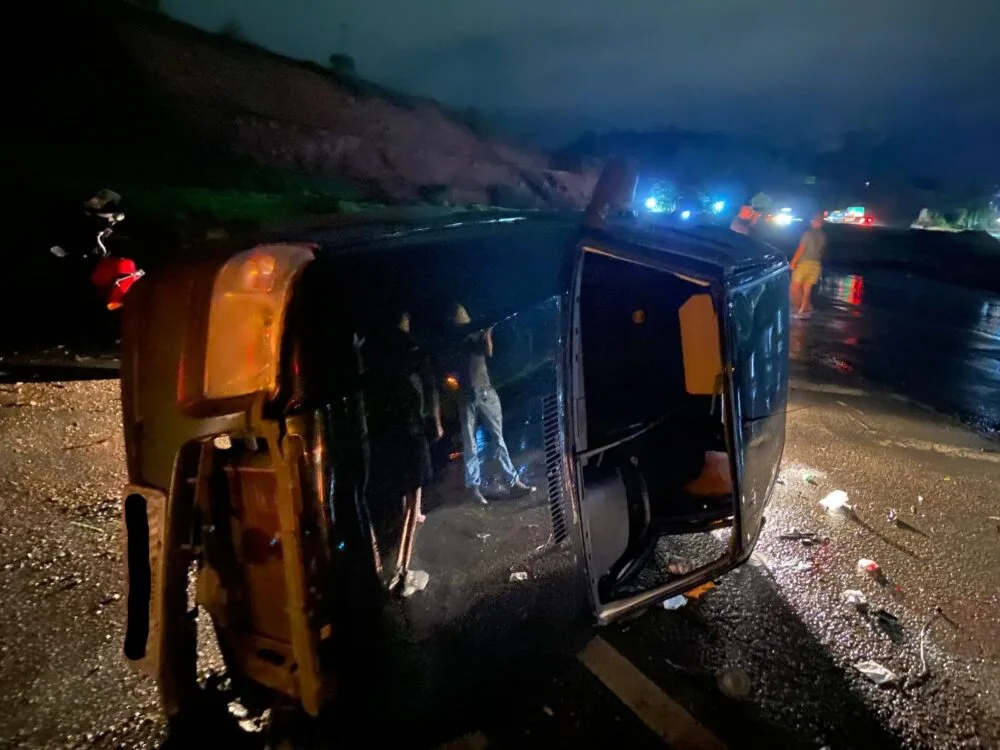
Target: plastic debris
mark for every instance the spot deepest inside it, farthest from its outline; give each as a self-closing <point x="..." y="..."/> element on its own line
<point x="797" y="566"/>
<point x="483" y="537"/>
<point x="678" y="566"/>
<point x="699" y="591"/>
<point x="733" y="683"/>
<point x="892" y="515"/>
<point x="416" y="580"/>
<point x="759" y="560"/>
<point x="836" y="502"/>
<point x="881" y="676"/>
<point x="518" y="576"/>
<point x="855" y="597"/>
<point x="810" y="479"/>
<point x="920" y="498"/>
<point x="675" y="602"/>
<point x="869" y="566"/>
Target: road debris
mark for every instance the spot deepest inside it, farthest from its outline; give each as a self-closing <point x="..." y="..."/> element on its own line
<point x="733" y="683"/>
<point x="699" y="591"/>
<point x="868" y="566"/>
<point x="797" y="566"/>
<point x="675" y="602"/>
<point x="806" y="538"/>
<point x="518" y="576"/>
<point x="836" y="502"/>
<point x="881" y="676"/>
<point x="810" y="479"/>
<point x="924" y="672"/>
<point x="889" y="623"/>
<point x="483" y="537"/>
<point x="416" y="580"/>
<point x="892" y="515"/>
<point x="88" y="526"/>
<point x="91" y="444"/>
<point x="678" y="566"/>
<point x="855" y="598"/>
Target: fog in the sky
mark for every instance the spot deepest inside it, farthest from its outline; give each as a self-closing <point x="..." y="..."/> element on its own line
<point x="791" y="71"/>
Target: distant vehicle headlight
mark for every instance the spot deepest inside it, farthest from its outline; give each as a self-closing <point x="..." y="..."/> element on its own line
<point x="685" y="215"/>
<point x="783" y="219"/>
<point x="719" y="206"/>
<point x="651" y="204"/>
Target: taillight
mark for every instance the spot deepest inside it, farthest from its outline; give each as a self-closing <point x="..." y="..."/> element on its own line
<point x="246" y="318"/>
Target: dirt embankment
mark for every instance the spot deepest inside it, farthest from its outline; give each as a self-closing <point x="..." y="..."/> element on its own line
<point x="214" y="94"/>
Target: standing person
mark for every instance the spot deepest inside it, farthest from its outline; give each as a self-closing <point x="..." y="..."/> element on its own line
<point x="479" y="400"/>
<point x="745" y="219"/>
<point x="806" y="265"/>
<point x="400" y="397"/>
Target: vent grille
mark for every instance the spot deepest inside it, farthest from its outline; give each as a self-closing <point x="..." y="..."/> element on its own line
<point x="554" y="479"/>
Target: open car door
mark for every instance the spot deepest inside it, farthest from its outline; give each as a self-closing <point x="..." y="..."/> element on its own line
<point x="679" y="385"/>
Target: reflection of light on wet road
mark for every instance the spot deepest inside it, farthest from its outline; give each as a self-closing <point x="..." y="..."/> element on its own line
<point x="933" y="342"/>
<point x="850" y="289"/>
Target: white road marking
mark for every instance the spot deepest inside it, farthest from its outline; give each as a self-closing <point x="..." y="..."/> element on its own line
<point x="955" y="451"/>
<point x="655" y="708"/>
<point x="834" y="390"/>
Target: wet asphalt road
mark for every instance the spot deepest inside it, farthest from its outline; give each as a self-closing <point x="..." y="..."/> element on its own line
<point x="869" y="370"/>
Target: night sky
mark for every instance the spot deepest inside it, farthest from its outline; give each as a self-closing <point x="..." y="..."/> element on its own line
<point x="794" y="72"/>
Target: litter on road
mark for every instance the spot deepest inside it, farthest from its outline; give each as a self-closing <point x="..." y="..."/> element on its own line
<point x="519" y="576"/>
<point x="699" y="591"/>
<point x="678" y="566"/>
<point x="868" y="566"/>
<point x="733" y="683"/>
<point x="856" y="598"/>
<point x="881" y="676"/>
<point x="836" y="502"/>
<point x="798" y="535"/>
<point x="675" y="602"/>
<point x="797" y="566"/>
